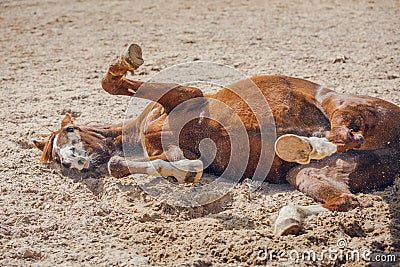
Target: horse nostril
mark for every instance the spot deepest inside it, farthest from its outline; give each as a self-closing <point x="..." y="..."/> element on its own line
<point x="83" y="163"/>
<point x="66" y="165"/>
<point x="359" y="137"/>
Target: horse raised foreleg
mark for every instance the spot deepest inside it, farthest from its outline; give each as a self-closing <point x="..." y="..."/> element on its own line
<point x="114" y="82"/>
<point x="169" y="95"/>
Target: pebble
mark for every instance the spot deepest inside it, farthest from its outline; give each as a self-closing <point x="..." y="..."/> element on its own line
<point x="377" y="198"/>
<point x="28" y="253"/>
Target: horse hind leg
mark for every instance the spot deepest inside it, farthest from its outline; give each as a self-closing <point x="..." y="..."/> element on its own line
<point x="184" y="171"/>
<point x="315" y="181"/>
<point x="291" y="217"/>
<point x="171" y="163"/>
<point x="302" y="150"/>
<point x="333" y="180"/>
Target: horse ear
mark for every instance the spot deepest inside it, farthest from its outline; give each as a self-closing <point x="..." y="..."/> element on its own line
<point x="67" y="120"/>
<point x="39" y="144"/>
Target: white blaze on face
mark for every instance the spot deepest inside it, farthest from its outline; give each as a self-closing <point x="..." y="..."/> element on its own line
<point x="71" y="154"/>
<point x="55" y="147"/>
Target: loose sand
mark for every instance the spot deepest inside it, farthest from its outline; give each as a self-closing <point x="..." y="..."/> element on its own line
<point x="53" y="56"/>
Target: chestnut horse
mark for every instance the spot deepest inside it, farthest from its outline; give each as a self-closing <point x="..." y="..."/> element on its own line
<point x="329" y="145"/>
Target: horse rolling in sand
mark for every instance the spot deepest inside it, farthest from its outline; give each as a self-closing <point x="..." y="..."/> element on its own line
<point x="328" y="145"/>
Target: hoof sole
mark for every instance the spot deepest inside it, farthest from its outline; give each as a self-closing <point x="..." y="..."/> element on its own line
<point x="293" y="148"/>
<point x="287" y="226"/>
<point x="133" y="55"/>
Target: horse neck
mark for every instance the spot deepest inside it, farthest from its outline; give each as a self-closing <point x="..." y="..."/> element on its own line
<point x="111" y="132"/>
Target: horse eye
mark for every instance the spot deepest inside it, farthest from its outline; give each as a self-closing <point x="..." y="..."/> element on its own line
<point x="69" y="129"/>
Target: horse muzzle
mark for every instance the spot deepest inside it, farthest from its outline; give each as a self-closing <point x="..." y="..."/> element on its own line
<point x="79" y="163"/>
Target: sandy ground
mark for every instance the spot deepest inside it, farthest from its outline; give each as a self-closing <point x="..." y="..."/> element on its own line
<point x="53" y="56"/>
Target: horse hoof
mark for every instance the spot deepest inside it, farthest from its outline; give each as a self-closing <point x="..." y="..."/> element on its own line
<point x="133" y="55"/>
<point x="288" y="227"/>
<point x="187" y="171"/>
<point x="117" y="167"/>
<point x="293" y="148"/>
<point x="288" y="221"/>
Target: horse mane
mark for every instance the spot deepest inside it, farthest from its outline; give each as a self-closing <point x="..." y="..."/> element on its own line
<point x="47" y="153"/>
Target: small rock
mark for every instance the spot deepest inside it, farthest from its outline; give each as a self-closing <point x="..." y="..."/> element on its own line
<point x="367" y="203"/>
<point x="200" y="262"/>
<point x="155" y="68"/>
<point x="368" y="227"/>
<point x="238" y="64"/>
<point x="28" y="253"/>
<point x="341" y="59"/>
<point x="392" y="77"/>
<point x="377" y="198"/>
<point x="143" y="72"/>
